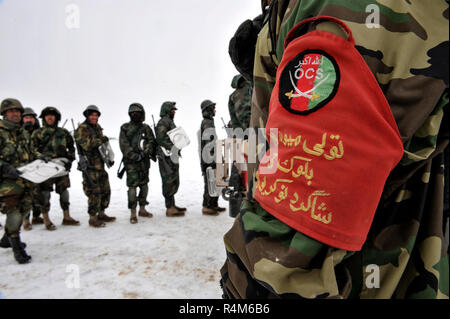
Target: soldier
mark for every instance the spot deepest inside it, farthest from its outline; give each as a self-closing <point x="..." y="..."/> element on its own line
<point x="138" y="146"/>
<point x="89" y="136"/>
<point x="47" y="143"/>
<point x="239" y="103"/>
<point x="210" y="204"/>
<point x="15" y="199"/>
<point x="31" y="123"/>
<point x="170" y="179"/>
<point x="405" y="244"/>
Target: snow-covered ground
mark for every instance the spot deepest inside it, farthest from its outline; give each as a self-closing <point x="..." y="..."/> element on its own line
<point x="159" y="257"/>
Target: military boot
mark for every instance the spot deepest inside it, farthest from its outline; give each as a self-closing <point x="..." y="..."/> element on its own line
<point x="95" y="222"/>
<point x="144" y="213"/>
<point x="47" y="222"/>
<point x="68" y="220"/>
<point x="209" y="211"/>
<point x="173" y="212"/>
<point x="133" y="218"/>
<point x="19" y="252"/>
<point x="4" y="242"/>
<point x="103" y="217"/>
<point x="219" y="209"/>
<point x="26" y="224"/>
<point x="181" y="209"/>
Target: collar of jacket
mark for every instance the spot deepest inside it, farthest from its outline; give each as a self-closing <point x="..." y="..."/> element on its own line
<point x="6" y="124"/>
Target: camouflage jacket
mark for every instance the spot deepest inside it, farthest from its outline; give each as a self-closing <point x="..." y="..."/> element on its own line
<point x="14" y="150"/>
<point x="239" y="104"/>
<point x="130" y="138"/>
<point x="405" y="246"/>
<point x="210" y="136"/>
<point x="53" y="142"/>
<point x="89" y="138"/>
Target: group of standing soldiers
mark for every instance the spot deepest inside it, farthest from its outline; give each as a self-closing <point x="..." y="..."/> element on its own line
<point x="23" y="140"/>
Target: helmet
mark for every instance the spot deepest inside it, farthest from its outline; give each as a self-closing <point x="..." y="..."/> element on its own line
<point x="10" y="104"/>
<point x="136" y="107"/>
<point x="51" y="110"/>
<point x="90" y="109"/>
<point x="28" y="111"/>
<point x="236" y="81"/>
<point x="207" y="103"/>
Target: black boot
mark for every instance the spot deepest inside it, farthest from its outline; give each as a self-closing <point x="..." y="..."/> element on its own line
<point x="4" y="242"/>
<point x="19" y="253"/>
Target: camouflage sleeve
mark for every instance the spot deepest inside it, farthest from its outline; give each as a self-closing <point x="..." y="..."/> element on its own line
<point x="87" y="142"/>
<point x="161" y="135"/>
<point x="35" y="142"/>
<point x="124" y="144"/>
<point x="70" y="147"/>
<point x="150" y="142"/>
<point x="234" y="120"/>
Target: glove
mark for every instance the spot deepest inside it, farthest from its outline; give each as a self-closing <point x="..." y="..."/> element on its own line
<point x="68" y="166"/>
<point x="9" y="171"/>
<point x="104" y="139"/>
<point x="45" y="158"/>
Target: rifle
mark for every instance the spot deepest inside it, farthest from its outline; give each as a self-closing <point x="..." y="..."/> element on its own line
<point x="83" y="163"/>
<point x="227" y="129"/>
<point x="167" y="170"/>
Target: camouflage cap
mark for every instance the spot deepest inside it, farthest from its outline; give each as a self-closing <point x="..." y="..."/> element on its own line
<point x="50" y="110"/>
<point x="10" y="104"/>
<point x="207" y="103"/>
<point x="136" y="107"/>
<point x="90" y="109"/>
<point x="28" y="111"/>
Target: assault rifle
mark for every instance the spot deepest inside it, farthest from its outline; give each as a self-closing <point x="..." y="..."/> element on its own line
<point x="167" y="170"/>
<point x="83" y="163"/>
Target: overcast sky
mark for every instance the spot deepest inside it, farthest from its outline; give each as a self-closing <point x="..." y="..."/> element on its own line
<point x="70" y="54"/>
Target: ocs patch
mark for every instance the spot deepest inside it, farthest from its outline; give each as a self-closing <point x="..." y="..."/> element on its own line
<point x="308" y="82"/>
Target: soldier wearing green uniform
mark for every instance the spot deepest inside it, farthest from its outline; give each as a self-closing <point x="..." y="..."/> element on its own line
<point x="207" y="136"/>
<point x="47" y="143"/>
<point x="89" y="136"/>
<point x="31" y="123"/>
<point x="170" y="179"/>
<point x="239" y="103"/>
<point x="15" y="199"/>
<point x="138" y="146"/>
<point x="406" y="241"/>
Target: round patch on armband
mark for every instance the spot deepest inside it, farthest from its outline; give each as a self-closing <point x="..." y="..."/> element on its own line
<point x="308" y="82"/>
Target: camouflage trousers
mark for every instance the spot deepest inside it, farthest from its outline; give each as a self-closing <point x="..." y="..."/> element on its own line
<point x="405" y="255"/>
<point x="170" y="182"/>
<point x="134" y="198"/>
<point x="36" y="207"/>
<point x="15" y="207"/>
<point x="137" y="174"/>
<point x="99" y="195"/>
<point x="61" y="186"/>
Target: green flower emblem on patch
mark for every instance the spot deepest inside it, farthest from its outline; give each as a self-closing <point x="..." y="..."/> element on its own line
<point x="308" y="82"/>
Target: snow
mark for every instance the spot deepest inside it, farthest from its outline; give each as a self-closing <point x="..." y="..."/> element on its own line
<point x="159" y="257"/>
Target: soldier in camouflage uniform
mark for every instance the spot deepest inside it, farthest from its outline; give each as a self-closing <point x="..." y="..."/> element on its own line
<point x="31" y="123"/>
<point x="210" y="204"/>
<point x="47" y="143"/>
<point x="406" y="239"/>
<point x="89" y="136"/>
<point x="170" y="180"/>
<point x="15" y="199"/>
<point x="239" y="103"/>
<point x="138" y="146"/>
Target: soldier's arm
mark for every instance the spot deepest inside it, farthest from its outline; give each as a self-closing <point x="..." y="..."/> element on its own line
<point x="150" y="143"/>
<point x="234" y="120"/>
<point x="70" y="147"/>
<point x="125" y="146"/>
<point x="35" y="142"/>
<point x="161" y="136"/>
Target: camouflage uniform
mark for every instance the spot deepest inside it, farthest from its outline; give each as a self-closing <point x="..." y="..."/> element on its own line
<point x="170" y="181"/>
<point x="207" y="124"/>
<point x="268" y="259"/>
<point x="34" y="188"/>
<point x="136" y="157"/>
<point x="89" y="137"/>
<point x="15" y="198"/>
<point x="239" y="103"/>
<point x="50" y="142"/>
